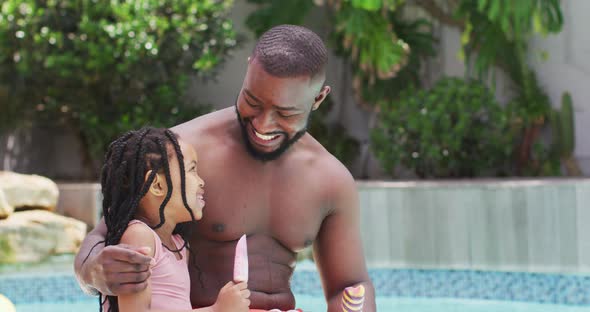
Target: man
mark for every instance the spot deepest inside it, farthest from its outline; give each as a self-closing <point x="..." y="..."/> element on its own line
<point x="265" y="177"/>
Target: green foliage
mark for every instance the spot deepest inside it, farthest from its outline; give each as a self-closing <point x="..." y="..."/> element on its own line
<point x="496" y="29"/>
<point x="496" y="34"/>
<point x="565" y="126"/>
<point x="563" y="137"/>
<point x="7" y="254"/>
<point x="369" y="39"/>
<point x="104" y="67"/>
<point x="418" y="35"/>
<point x="277" y="12"/>
<point x="373" y="5"/>
<point x="456" y="129"/>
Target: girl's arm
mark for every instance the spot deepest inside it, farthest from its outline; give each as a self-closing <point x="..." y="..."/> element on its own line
<point x="138" y="235"/>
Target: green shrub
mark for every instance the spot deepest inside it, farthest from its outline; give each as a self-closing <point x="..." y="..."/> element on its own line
<point x="456" y="129"/>
<point x="104" y="67"/>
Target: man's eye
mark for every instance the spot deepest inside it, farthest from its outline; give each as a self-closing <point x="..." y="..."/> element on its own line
<point x="251" y="104"/>
<point x="287" y="116"/>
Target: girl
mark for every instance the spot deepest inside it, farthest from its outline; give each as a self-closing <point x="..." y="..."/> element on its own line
<point x="150" y="185"/>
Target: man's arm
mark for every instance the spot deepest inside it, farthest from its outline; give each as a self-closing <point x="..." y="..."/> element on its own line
<point x="338" y="250"/>
<point x="113" y="270"/>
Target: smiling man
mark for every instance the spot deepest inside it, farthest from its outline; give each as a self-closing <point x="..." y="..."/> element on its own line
<point x="266" y="177"/>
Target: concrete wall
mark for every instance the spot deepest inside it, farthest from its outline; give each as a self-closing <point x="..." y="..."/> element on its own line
<point x="528" y="225"/>
<point x="82" y="201"/>
<point x="518" y="225"/>
<point x="50" y="152"/>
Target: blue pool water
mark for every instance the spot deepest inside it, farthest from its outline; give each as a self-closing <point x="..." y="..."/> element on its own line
<point x="405" y="290"/>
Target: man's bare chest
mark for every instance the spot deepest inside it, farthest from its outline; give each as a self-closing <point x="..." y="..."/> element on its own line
<point x="289" y="213"/>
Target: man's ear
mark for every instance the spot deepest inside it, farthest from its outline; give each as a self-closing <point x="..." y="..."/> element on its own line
<point x="321" y="97"/>
<point x="157" y="187"/>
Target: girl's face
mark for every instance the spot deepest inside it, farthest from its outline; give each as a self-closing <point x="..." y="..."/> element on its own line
<point x="194" y="186"/>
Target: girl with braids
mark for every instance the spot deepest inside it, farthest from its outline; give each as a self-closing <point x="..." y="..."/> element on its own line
<point x="150" y="184"/>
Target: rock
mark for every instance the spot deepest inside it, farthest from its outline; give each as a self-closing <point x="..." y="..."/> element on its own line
<point x="21" y="190"/>
<point x="5" y="208"/>
<point x="6" y="305"/>
<point x="30" y="236"/>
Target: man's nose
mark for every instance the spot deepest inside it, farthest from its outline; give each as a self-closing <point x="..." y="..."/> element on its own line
<point x="264" y="123"/>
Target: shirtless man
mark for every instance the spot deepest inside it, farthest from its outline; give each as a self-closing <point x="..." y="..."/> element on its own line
<point x="267" y="177"/>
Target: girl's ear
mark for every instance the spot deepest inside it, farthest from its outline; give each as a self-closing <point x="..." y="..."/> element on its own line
<point x="157" y="187"/>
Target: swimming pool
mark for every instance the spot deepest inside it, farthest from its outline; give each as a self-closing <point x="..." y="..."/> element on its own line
<point x="406" y="290"/>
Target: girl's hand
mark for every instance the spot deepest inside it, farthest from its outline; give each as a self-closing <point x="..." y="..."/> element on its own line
<point x="233" y="297"/>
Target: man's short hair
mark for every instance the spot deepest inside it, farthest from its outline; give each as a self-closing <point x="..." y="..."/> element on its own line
<point x="291" y="51"/>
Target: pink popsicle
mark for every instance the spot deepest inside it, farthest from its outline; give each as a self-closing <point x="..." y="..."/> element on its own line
<point x="241" y="261"/>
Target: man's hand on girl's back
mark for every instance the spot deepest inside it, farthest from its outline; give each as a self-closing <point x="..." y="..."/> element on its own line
<point x="120" y="269"/>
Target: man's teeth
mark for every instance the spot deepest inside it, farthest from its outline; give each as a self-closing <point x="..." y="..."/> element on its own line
<point x="265" y="137"/>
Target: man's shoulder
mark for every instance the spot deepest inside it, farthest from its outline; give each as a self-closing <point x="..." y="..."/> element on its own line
<point x="201" y="123"/>
<point x="332" y="179"/>
<point x="326" y="166"/>
<point x="205" y="125"/>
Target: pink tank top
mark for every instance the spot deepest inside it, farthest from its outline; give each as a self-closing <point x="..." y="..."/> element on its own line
<point x="170" y="281"/>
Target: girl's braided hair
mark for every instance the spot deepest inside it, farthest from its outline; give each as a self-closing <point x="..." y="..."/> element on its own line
<point x="123" y="183"/>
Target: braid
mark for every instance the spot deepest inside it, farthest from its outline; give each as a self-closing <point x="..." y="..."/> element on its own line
<point x="180" y="157"/>
<point x="138" y="164"/>
<point x="117" y="147"/>
<point x="168" y="182"/>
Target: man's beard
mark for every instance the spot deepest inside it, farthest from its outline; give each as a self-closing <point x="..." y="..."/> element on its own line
<point x="268" y="156"/>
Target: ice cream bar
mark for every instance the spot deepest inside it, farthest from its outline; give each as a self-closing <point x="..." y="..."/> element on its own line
<point x="353" y="298"/>
<point x="241" y="261"/>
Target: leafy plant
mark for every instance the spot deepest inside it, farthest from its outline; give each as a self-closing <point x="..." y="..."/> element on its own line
<point x="496" y="34"/>
<point x="564" y="135"/>
<point x="103" y="67"/>
<point x="271" y="13"/>
<point x="369" y="39"/>
<point x="421" y="44"/>
<point x="456" y="129"/>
